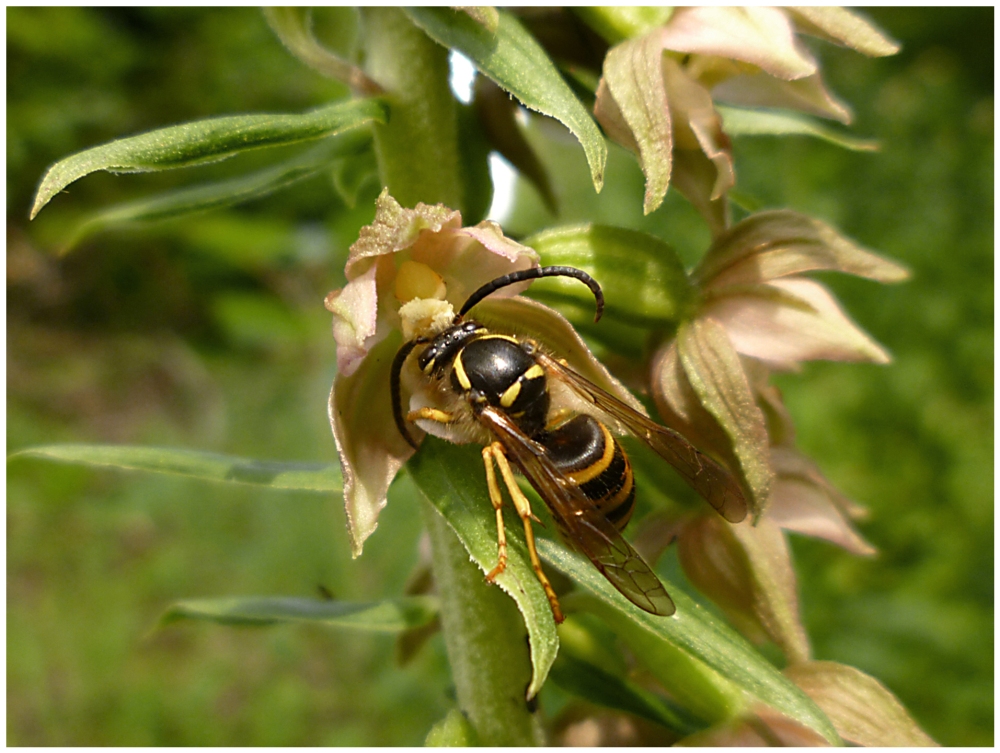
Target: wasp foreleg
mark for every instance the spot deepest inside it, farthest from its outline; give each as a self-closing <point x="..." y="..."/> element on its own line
<point x="430" y="414"/>
<point x="524" y="511"/>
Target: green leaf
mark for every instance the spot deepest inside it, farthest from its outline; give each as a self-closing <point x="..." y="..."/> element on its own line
<point x="224" y="193"/>
<point x="698" y="634"/>
<point x="207" y="141"/>
<point x="452" y="479"/>
<point x="389" y="616"/>
<point x="352" y="173"/>
<point x="604" y="689"/>
<point x="293" y="26"/>
<point x="514" y="60"/>
<point x="312" y="477"/>
<point x="642" y="278"/>
<point x="745" y="121"/>
<point x="485" y="15"/>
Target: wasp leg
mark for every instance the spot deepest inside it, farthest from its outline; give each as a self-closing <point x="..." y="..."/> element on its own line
<point x="497" y="499"/>
<point x="524" y="511"/>
<point x="430" y="414"/>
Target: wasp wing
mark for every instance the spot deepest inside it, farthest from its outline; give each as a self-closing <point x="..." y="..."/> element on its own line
<point x="593" y="534"/>
<point x="713" y="482"/>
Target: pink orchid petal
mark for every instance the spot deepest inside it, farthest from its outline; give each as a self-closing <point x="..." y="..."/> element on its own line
<point x="780" y="243"/>
<point x="465" y="267"/>
<point x="768" y="729"/>
<point x="790" y="320"/>
<point x="800" y="506"/>
<point x="807" y="94"/>
<point x="862" y="710"/>
<point x="844" y="27"/>
<point x="758" y="35"/>
<point x="396" y="228"/>
<point x="370" y="447"/>
<point x="355" y="309"/>
<point x="697" y="177"/>
<point x="610" y="116"/>
<point x="697" y="125"/>
<point x="747" y="570"/>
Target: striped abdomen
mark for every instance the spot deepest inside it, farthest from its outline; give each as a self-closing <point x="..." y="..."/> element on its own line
<point x="584" y="449"/>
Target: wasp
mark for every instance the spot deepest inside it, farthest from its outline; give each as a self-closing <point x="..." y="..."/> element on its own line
<point x="500" y="386"/>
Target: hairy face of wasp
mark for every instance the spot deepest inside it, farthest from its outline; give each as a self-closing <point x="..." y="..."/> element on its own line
<point x="574" y="463"/>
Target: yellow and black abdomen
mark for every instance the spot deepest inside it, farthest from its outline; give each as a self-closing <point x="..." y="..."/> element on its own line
<point x="585" y="450"/>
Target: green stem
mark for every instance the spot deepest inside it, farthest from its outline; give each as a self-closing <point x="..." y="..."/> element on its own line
<point x="418" y="159"/>
<point x="486" y="641"/>
<point x="417" y="149"/>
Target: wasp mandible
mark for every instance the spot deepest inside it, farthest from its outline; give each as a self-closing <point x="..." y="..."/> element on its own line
<point x="499" y="388"/>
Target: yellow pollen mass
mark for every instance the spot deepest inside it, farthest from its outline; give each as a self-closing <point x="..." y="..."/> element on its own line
<point x="416" y="280"/>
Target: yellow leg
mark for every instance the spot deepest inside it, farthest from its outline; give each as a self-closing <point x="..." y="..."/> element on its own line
<point x="430" y="414"/>
<point x="497" y="499"/>
<point x="524" y="511"/>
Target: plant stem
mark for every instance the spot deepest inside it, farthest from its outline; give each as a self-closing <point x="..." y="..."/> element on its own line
<point x="417" y="150"/>
<point x="486" y="641"/>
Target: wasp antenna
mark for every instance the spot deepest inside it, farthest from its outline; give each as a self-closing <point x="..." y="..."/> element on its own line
<point x="535" y="273"/>
<point x="397" y="408"/>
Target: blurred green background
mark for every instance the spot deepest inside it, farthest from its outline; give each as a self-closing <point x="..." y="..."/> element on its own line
<point x="209" y="332"/>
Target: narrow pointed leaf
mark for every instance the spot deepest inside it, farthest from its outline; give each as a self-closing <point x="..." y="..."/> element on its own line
<point x="390" y="616"/>
<point x="207" y="196"/>
<point x="452" y="479"/>
<point x="293" y="26"/>
<point x="210" y="466"/>
<point x="740" y="121"/>
<point x="513" y="59"/>
<point x="698" y="633"/>
<point x="206" y="141"/>
<point x="642" y="277"/>
<point x="604" y="689"/>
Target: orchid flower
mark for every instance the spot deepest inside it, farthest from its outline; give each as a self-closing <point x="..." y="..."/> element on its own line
<point x="411" y="270"/>
<point x="758" y="314"/>
<point x="658" y="90"/>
